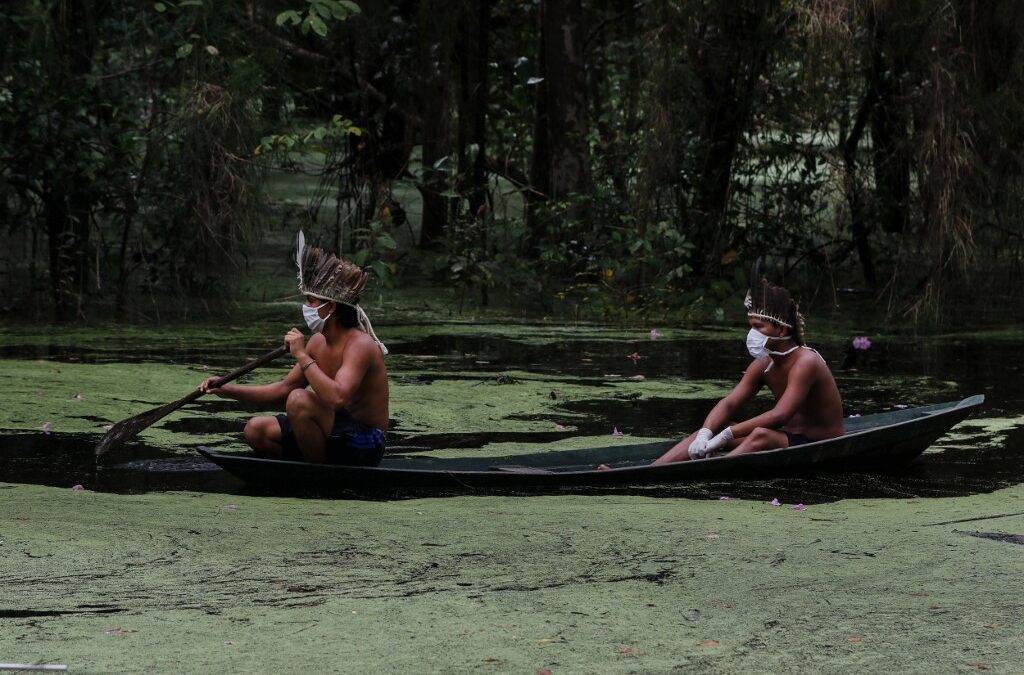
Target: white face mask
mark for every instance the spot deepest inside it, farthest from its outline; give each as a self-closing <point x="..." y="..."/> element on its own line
<point x="313" y="318"/>
<point x="756" y="342"/>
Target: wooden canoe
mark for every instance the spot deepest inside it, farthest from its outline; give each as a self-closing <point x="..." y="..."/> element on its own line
<point x="888" y="438"/>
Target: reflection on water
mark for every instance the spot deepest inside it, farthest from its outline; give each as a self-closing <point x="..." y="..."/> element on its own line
<point x="928" y="371"/>
<point x="66" y="460"/>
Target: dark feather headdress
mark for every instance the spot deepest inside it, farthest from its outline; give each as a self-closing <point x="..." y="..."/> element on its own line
<point x="772" y="303"/>
<point x="328" y="277"/>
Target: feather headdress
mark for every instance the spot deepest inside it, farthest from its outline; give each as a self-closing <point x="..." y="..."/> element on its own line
<point x="772" y="303"/>
<point x="330" y="278"/>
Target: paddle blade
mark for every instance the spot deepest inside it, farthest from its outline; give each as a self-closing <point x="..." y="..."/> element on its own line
<point x="125" y="430"/>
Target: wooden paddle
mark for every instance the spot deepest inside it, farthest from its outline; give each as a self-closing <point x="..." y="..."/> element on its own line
<point x="129" y="428"/>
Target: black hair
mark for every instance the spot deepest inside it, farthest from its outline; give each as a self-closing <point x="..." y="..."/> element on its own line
<point x="345" y="316"/>
<point x="768" y="299"/>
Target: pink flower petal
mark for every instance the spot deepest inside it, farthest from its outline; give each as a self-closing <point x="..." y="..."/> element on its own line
<point x="615" y="432"/>
<point x="559" y="427"/>
<point x="76" y="488"/>
<point x="722" y="499"/>
<point x="775" y="502"/>
<point x="654" y="333"/>
<point x="46" y="428"/>
<point x="799" y="507"/>
<point x="636" y="358"/>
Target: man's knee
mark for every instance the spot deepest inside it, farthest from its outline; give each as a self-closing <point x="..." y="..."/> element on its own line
<point x="259" y="432"/>
<point x="255" y="429"/>
<point x="298" y="403"/>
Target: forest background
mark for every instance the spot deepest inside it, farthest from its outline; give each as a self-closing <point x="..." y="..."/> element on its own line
<point x="620" y="156"/>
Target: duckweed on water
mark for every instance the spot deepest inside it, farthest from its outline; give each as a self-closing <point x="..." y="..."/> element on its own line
<point x="215" y="583"/>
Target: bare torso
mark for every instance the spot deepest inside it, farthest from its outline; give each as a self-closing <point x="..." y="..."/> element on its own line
<point x="820" y="415"/>
<point x="369" y="401"/>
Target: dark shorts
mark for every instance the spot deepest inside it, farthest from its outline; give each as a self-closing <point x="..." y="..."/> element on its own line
<point x="797" y="439"/>
<point x="351" y="443"/>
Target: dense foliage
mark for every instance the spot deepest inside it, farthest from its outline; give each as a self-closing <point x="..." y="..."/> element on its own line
<point x="622" y="153"/>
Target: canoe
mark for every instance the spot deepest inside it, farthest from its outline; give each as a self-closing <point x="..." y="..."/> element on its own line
<point x="888" y="438"/>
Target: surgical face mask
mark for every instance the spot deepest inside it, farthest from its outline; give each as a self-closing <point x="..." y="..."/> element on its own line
<point x="313" y="318"/>
<point x="757" y="341"/>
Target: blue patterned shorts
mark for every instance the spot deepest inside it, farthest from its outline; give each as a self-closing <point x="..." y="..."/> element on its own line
<point x="351" y="443"/>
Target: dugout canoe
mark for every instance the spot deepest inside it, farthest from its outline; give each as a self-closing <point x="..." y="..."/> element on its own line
<point x="882" y="439"/>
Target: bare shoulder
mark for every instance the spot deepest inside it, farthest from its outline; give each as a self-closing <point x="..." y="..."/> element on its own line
<point x="809" y="363"/>
<point x="361" y="345"/>
<point x="756" y="368"/>
<point x="315" y="344"/>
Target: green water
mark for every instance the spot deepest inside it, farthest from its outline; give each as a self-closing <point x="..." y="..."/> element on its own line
<point x="882" y="571"/>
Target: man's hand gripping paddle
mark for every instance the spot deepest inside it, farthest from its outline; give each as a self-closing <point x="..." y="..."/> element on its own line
<point x="127" y="429"/>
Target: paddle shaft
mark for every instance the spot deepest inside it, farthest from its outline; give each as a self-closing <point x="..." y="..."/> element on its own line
<point x="247" y="368"/>
<point x="129" y="428"/>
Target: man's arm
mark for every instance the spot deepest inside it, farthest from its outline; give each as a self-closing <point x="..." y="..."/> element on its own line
<point x="719" y="416"/>
<point x="798" y="386"/>
<point x="745" y="389"/>
<point x="338" y="391"/>
<point x="268" y="395"/>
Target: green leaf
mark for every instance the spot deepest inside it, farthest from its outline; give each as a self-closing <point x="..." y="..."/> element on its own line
<point x="212" y="51"/>
<point x="385" y="241"/>
<point x="338" y="12"/>
<point x="184" y="50"/>
<point x="322" y="9"/>
<point x="352" y="7"/>
<point x="160" y="7"/>
<point x="318" y="25"/>
<point x="291" y="16"/>
<point x="190" y="3"/>
<point x="355" y="131"/>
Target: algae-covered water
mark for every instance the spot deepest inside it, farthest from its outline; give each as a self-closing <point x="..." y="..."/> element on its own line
<point x="463" y="387"/>
<point x="163" y="563"/>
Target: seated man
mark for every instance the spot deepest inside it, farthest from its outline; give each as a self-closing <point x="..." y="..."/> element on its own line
<point x="343" y="419"/>
<point x="807" y="403"/>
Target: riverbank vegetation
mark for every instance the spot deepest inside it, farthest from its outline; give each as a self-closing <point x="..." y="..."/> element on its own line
<point x="630" y="157"/>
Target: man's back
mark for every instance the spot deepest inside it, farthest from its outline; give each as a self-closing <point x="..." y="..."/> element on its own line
<point x="820" y="414"/>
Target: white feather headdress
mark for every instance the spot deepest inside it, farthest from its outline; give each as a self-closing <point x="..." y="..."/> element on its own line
<point x="328" y="277"/>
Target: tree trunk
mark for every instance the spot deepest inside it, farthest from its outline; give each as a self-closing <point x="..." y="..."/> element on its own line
<point x="732" y="55"/>
<point x="858" y="226"/>
<point x="472" y="141"/>
<point x="890" y="134"/>
<point x="67" y="207"/>
<point x="434" y="102"/>
<point x="560" y="164"/>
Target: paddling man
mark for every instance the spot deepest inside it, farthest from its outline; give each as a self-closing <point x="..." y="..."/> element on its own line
<point x="807" y="408"/>
<point x="335" y="397"/>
